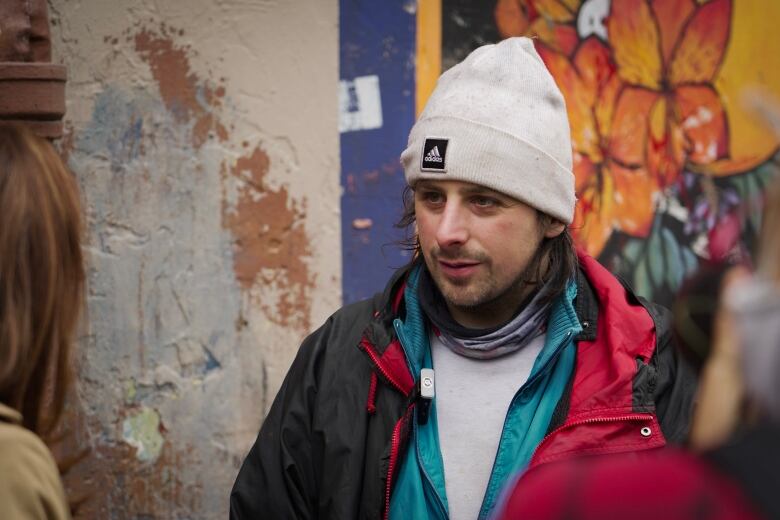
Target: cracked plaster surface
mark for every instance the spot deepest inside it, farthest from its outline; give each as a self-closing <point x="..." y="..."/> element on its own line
<point x="168" y="104"/>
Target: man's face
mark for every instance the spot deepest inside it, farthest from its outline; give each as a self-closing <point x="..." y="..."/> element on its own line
<point x="477" y="244"/>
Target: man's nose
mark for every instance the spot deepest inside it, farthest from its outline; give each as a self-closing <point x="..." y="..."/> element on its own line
<point x="452" y="229"/>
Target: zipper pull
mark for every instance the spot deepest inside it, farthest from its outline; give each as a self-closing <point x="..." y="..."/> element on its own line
<point x="426" y="392"/>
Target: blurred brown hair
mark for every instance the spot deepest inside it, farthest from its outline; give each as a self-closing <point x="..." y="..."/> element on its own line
<point x="41" y="276"/>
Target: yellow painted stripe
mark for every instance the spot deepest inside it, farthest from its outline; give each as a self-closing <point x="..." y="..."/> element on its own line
<point x="428" y="50"/>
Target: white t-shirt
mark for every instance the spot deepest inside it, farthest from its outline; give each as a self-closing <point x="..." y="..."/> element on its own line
<point x="472" y="399"/>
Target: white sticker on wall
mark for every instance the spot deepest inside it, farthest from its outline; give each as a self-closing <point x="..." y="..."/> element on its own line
<point x="360" y="104"/>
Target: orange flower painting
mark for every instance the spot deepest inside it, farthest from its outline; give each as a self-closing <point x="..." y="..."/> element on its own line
<point x="640" y="96"/>
<point x="612" y="194"/>
<point x="674" y="109"/>
<point x="668" y="52"/>
<point x="551" y="21"/>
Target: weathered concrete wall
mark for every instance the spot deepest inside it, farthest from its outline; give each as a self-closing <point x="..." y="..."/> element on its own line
<point x="205" y="138"/>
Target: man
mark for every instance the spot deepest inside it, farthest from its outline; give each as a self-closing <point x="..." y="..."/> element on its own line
<point x="538" y="355"/>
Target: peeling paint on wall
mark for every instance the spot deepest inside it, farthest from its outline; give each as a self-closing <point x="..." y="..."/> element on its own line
<point x="111" y="480"/>
<point x="141" y="430"/>
<point x="270" y="240"/>
<point x="206" y="264"/>
<point x="116" y="128"/>
<point x="180" y="88"/>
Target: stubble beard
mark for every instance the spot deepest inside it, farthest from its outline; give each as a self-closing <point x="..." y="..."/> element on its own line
<point x="485" y="298"/>
<point x="476" y="295"/>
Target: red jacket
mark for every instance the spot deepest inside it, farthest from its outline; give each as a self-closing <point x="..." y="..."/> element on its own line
<point x="607" y="411"/>
<point x="630" y="390"/>
<point x="669" y="484"/>
<point x="338" y="428"/>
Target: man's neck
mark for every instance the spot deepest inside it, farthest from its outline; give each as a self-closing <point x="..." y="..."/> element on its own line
<point x="502" y="308"/>
<point x="495" y="312"/>
<point x="440" y="313"/>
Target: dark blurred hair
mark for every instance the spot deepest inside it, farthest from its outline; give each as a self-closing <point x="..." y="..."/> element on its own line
<point x="696" y="303"/>
<point x="41" y="276"/>
<point x="694" y="309"/>
<point x="559" y="250"/>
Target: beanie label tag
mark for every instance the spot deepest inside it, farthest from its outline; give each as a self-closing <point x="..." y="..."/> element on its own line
<point x="434" y="156"/>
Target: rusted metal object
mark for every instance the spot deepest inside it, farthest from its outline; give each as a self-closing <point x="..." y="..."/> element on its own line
<point x="32" y="90"/>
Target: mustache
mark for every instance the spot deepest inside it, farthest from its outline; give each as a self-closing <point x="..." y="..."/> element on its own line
<point x="458" y="254"/>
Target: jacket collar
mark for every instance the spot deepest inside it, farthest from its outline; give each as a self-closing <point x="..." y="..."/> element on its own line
<point x="391" y="298"/>
<point x="585" y="304"/>
<point x="587" y="307"/>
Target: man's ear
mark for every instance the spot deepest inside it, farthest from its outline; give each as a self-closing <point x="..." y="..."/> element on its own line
<point x="554" y="229"/>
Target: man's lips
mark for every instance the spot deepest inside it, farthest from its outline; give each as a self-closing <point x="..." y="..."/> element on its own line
<point x="458" y="263"/>
<point x="458" y="268"/>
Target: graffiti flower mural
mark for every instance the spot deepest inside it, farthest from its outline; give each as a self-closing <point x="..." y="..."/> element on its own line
<point x="668" y="53"/>
<point x="675" y="118"/>
<point x="638" y="77"/>
<point x="560" y="24"/>
<point x="612" y="194"/>
<point x="551" y="21"/>
<point x="640" y="108"/>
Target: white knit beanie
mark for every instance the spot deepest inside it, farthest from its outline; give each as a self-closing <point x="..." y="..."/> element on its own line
<point x="497" y="119"/>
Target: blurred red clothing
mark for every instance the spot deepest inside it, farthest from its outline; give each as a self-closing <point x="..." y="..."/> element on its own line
<point x="670" y="485"/>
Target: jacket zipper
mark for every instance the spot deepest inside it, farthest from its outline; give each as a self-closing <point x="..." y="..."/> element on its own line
<point x="394" y="448"/>
<point x="398" y="326"/>
<point x="429" y="481"/>
<point x="365" y="346"/>
<point x="592" y="420"/>
<point x="395" y="440"/>
<point x="528" y="384"/>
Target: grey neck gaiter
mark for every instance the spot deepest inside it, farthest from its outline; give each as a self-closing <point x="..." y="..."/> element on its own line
<point x="529" y="323"/>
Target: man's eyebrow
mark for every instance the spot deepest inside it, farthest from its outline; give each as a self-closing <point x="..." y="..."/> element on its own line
<point x="424" y="184"/>
<point x="480" y="190"/>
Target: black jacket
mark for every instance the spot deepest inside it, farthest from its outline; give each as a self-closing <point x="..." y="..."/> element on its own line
<point x="321" y="454"/>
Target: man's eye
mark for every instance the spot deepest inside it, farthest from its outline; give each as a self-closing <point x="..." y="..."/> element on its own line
<point x="432" y="197"/>
<point x="485" y="202"/>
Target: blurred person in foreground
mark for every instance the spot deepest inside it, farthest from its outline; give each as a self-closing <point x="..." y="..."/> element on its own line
<point x="735" y="472"/>
<point x="737" y="420"/>
<point x="539" y="353"/>
<point x="41" y="294"/>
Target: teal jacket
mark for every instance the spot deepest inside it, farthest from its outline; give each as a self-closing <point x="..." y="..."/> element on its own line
<point x="341" y="439"/>
<point x="419" y="491"/>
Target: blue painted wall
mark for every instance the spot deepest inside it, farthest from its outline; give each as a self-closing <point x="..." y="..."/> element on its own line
<point x="377" y="38"/>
